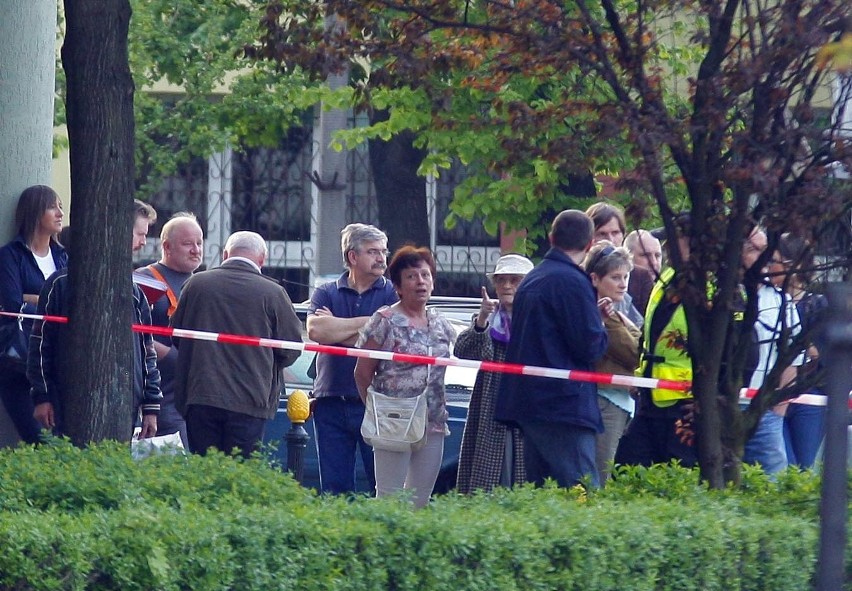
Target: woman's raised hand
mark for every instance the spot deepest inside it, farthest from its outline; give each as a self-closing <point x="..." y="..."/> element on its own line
<point x="486" y="308"/>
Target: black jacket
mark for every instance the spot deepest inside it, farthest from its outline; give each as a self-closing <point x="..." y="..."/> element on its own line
<point x="46" y="366"/>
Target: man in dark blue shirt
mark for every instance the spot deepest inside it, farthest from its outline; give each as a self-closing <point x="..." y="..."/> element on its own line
<point x="338" y="311"/>
<point x="556" y="323"/>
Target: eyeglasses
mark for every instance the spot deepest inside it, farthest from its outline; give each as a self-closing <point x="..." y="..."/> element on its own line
<point x="752" y="247"/>
<point x="374" y="252"/>
<point x="507" y="279"/>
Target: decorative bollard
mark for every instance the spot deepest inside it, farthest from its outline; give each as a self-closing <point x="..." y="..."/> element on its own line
<point x="298" y="411"/>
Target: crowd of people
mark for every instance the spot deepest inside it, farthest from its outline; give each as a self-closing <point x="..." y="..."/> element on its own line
<point x="600" y="300"/>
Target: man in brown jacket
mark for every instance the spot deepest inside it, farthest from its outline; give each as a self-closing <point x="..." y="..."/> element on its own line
<point x="226" y="393"/>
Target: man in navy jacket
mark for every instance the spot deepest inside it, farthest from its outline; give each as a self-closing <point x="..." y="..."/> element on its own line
<point x="556" y="323"/>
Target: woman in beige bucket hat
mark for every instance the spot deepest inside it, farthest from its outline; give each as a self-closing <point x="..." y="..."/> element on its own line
<point x="491" y="453"/>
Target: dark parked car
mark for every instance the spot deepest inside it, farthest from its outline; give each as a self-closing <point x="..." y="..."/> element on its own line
<point x="458" y="382"/>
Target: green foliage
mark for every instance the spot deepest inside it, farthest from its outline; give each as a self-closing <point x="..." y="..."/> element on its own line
<point x="792" y="491"/>
<point x="196" y="93"/>
<point x="60" y="142"/>
<point x="95" y="519"/>
<point x="105" y="476"/>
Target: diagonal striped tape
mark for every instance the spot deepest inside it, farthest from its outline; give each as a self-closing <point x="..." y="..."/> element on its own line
<point x="493" y="366"/>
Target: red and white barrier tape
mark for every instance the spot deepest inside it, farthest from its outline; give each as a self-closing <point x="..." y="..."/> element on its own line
<point x="500" y="367"/>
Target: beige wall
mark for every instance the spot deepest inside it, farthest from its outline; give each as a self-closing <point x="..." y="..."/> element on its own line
<point x="60" y="176"/>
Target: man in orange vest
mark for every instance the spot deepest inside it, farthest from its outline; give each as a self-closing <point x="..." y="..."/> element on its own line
<point x="182" y="246"/>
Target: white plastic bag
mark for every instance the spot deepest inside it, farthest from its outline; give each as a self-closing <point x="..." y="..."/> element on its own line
<point x="160" y="444"/>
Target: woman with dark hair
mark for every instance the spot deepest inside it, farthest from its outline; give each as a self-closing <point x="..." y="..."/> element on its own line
<point x="409" y="327"/>
<point x="609" y="222"/>
<point x="25" y="262"/>
<point x="804" y="422"/>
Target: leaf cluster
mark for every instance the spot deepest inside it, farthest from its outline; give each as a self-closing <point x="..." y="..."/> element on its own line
<point x="712" y="101"/>
<point x="174" y="523"/>
<point x="201" y="94"/>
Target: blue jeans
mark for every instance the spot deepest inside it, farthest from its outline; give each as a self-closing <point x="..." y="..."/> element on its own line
<point x="766" y="447"/>
<point x="337" y="425"/>
<point x="560" y="451"/>
<point x="804" y="429"/>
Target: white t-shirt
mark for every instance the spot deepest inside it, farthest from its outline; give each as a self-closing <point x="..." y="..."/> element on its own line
<point x="46" y="264"/>
<point x="768" y="329"/>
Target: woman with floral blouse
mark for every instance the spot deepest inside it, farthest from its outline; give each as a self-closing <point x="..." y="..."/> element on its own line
<point x="409" y="327"/>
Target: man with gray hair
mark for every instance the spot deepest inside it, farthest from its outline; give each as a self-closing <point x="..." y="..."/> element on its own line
<point x="338" y="311"/>
<point x="227" y="393"/>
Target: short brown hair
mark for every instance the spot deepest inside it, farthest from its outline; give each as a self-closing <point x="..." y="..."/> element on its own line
<point x="406" y="257"/>
<point x="602" y="213"/>
<point x="604" y="258"/>
<point x="571" y="230"/>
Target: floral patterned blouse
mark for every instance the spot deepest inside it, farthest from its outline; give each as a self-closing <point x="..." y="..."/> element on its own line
<point x="393" y="332"/>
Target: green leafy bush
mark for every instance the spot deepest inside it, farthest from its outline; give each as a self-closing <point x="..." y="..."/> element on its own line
<point x="61" y="477"/>
<point x="94" y="519"/>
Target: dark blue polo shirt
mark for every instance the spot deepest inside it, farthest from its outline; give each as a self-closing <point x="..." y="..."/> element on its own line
<point x="335" y="372"/>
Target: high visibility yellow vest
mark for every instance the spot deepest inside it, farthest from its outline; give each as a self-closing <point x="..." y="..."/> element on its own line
<point x="668" y="356"/>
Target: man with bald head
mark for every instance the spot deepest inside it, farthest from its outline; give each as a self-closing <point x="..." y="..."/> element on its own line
<point x="647" y="255"/>
<point x="182" y="246"/>
<point x="227" y="393"/>
<point x="646" y="250"/>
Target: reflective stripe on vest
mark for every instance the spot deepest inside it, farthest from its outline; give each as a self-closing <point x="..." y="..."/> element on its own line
<point x="173" y="301"/>
<point x="671" y="359"/>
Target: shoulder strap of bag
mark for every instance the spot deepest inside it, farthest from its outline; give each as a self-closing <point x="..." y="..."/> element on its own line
<point x="173" y="301"/>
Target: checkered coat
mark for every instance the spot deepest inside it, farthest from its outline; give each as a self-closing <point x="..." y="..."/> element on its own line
<point x="483" y="445"/>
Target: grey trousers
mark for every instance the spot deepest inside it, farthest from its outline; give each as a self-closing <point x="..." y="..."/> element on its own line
<point x="414" y="471"/>
<point x="615" y="421"/>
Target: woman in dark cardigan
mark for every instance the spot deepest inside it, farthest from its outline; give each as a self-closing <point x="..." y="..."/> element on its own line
<point x="25" y="262"/>
<point x="491" y="453"/>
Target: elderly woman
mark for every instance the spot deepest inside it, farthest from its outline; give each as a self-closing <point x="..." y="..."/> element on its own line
<point x="25" y="262"/>
<point x="409" y="327"/>
<point x="609" y="268"/>
<point x="492" y="454"/>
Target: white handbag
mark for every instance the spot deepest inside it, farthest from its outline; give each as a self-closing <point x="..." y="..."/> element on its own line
<point x="394" y="424"/>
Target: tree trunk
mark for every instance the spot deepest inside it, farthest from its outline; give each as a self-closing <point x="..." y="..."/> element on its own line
<point x="100" y="130"/>
<point x="400" y="191"/>
<point x="720" y="426"/>
<point x="708" y="428"/>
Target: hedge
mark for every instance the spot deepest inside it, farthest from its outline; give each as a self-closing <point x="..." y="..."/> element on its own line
<point x="95" y="519"/>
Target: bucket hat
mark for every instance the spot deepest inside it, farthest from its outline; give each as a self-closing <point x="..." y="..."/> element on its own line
<point x="512" y="264"/>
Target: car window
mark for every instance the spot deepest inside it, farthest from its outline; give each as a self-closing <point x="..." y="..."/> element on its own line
<point x="297" y="374"/>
